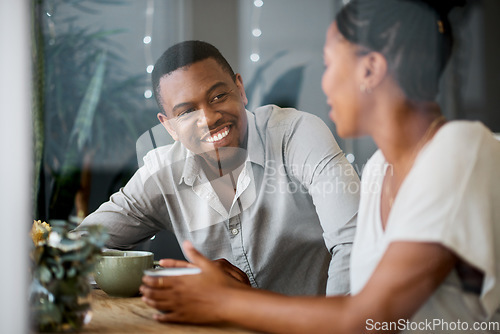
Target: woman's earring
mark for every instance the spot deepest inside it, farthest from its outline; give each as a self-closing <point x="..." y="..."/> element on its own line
<point x="364" y="89"/>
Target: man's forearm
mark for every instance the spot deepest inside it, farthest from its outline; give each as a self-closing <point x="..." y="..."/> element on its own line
<point x="338" y="272"/>
<point x="125" y="229"/>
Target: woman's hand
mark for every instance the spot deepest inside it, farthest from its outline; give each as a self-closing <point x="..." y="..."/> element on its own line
<point x="223" y="264"/>
<point x="232" y="271"/>
<point x="191" y="298"/>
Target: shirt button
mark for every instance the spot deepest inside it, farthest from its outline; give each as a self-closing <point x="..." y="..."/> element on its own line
<point x="234" y="231"/>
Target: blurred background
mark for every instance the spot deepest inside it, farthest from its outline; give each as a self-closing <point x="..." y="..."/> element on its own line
<point x="92" y="108"/>
<point x="95" y="113"/>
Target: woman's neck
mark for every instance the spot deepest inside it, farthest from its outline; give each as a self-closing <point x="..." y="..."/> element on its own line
<point x="405" y="130"/>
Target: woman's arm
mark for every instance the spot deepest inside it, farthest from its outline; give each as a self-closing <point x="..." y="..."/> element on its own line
<point x="406" y="277"/>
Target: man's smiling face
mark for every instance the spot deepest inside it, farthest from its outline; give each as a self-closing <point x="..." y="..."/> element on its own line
<point x="205" y="110"/>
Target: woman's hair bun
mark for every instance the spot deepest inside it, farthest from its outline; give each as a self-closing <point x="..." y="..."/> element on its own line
<point x="415" y="37"/>
<point x="443" y="7"/>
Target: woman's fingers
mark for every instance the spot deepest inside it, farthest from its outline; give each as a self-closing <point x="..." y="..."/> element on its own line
<point x="232" y="271"/>
<point x="159" y="304"/>
<point x="173" y="263"/>
<point x="194" y="256"/>
<point x="167" y="317"/>
<point x="158" y="282"/>
<point x="187" y="298"/>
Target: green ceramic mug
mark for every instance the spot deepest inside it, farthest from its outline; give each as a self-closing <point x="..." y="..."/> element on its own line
<point x="119" y="273"/>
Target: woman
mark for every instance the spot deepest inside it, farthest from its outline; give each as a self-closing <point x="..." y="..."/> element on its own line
<point x="426" y="254"/>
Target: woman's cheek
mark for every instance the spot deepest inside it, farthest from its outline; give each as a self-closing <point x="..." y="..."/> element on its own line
<point x="326" y="83"/>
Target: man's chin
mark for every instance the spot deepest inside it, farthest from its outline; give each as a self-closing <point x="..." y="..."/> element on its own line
<point x="225" y="157"/>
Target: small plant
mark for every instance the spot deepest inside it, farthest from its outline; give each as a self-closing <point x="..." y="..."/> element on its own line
<point x="62" y="261"/>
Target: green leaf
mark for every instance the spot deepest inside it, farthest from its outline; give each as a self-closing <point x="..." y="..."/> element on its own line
<point x="82" y="128"/>
<point x="105" y="33"/>
<point x="44" y="274"/>
<point x="71" y="272"/>
<point x="58" y="271"/>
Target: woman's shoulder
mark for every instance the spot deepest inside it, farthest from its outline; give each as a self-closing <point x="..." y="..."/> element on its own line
<point x="465" y="132"/>
<point x="461" y="139"/>
<point x="461" y="153"/>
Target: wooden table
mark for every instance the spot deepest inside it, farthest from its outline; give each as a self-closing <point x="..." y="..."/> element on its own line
<point x="132" y="315"/>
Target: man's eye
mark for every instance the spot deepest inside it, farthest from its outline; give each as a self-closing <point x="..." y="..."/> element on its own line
<point x="186" y="112"/>
<point x="219" y="97"/>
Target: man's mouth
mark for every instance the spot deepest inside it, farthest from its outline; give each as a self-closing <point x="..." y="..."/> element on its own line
<point x="217" y="136"/>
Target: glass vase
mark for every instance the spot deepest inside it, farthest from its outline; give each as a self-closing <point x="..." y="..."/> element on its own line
<point x="61" y="305"/>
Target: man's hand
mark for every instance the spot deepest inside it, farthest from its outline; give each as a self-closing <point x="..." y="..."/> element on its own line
<point x="223" y="264"/>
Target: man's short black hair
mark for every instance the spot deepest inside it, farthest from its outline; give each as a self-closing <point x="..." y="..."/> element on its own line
<point x="184" y="54"/>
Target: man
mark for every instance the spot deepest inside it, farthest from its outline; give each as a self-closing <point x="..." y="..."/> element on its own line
<point x="265" y="190"/>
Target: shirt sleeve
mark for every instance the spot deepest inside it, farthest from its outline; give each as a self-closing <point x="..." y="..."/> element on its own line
<point x="133" y="214"/>
<point x="451" y="197"/>
<point x="314" y="158"/>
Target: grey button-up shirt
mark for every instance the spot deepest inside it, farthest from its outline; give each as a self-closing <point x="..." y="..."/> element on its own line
<point x="292" y="221"/>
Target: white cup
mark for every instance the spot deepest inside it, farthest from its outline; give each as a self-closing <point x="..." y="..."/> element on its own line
<point x="172" y="271"/>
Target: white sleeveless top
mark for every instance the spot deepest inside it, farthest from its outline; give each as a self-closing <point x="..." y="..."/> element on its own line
<point x="451" y="196"/>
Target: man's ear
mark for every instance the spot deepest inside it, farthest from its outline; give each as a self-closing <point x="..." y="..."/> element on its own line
<point x="374" y="69"/>
<point x="239" y="83"/>
<point x="166" y="124"/>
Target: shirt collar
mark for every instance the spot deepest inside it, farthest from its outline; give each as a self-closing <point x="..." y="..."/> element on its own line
<point x="255" y="149"/>
<point x="255" y="145"/>
<point x="191" y="168"/>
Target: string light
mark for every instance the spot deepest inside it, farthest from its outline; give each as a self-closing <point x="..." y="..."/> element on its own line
<point x="254" y="57"/>
<point x="256" y="31"/>
<point x="349" y="147"/>
<point x="258" y="3"/>
<point x="150" y="9"/>
<point x="350" y="157"/>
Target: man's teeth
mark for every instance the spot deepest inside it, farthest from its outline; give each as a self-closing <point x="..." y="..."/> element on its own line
<point x="218" y="136"/>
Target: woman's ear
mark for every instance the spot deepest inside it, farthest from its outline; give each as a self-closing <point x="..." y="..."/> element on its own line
<point x="374" y="69"/>
<point x="166" y="124"/>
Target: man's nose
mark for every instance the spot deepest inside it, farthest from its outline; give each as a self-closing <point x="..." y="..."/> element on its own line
<point x="209" y="116"/>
